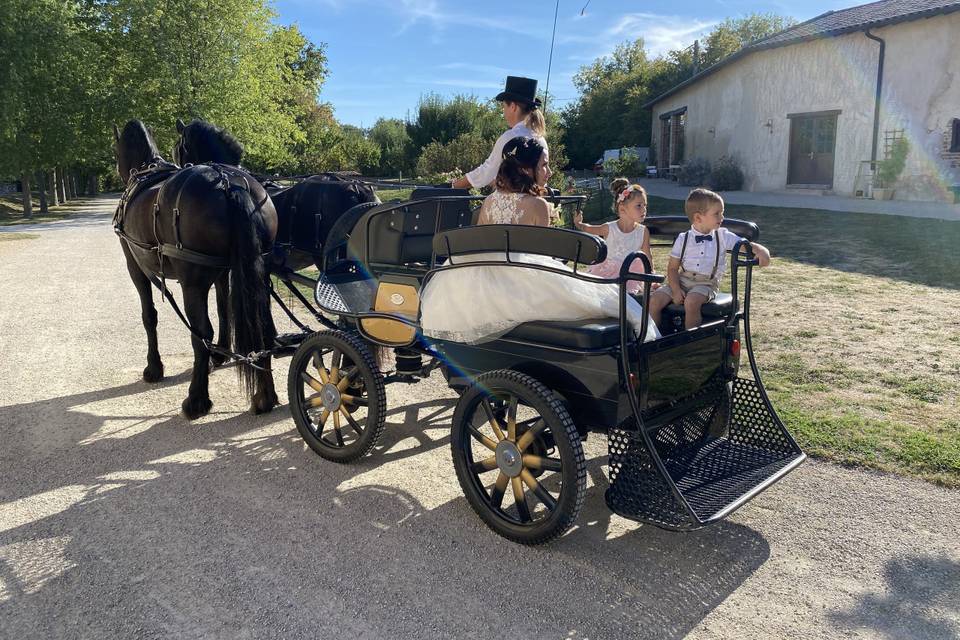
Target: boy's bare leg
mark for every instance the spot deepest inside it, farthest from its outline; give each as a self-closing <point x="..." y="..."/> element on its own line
<point x="658" y="302"/>
<point x="691" y="307"/>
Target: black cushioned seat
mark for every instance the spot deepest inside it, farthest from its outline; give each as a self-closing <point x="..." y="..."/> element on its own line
<point x="716" y="308"/>
<point x="573" y="334"/>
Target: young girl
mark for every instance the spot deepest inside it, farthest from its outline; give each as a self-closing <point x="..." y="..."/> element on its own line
<point x="624" y="235"/>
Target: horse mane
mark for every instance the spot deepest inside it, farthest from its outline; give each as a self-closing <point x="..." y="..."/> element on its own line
<point x="217" y="144"/>
<point x="136" y="138"/>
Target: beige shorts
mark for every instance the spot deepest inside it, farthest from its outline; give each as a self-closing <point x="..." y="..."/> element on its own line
<point x="695" y="284"/>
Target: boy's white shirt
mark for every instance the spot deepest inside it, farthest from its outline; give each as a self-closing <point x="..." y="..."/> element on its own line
<point x="486" y="173"/>
<point x="699" y="256"/>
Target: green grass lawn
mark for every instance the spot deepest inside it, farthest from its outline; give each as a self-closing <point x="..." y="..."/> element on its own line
<point x="857" y="332"/>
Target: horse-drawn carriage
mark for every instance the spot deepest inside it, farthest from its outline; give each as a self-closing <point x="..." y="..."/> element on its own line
<point x="689" y="439"/>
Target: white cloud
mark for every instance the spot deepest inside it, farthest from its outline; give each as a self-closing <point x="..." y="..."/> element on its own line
<point x="430" y="11"/>
<point x="660" y="33"/>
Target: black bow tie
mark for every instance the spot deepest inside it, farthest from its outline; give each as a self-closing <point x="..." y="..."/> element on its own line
<point x="700" y="239"/>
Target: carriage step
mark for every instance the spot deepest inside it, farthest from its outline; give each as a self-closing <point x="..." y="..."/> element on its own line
<point x="693" y="477"/>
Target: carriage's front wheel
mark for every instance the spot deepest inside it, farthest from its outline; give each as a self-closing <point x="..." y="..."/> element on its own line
<point x="518" y="457"/>
<point x="337" y="395"/>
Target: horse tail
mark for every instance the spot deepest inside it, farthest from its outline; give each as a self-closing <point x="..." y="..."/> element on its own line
<point x="249" y="298"/>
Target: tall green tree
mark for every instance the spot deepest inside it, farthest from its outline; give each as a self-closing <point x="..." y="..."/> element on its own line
<point x="390" y="135"/>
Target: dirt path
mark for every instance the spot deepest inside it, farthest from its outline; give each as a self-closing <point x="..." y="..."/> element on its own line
<point x="119" y="519"/>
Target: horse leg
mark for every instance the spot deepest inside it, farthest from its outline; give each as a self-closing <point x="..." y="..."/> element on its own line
<point x="148" y="314"/>
<point x="222" y="285"/>
<point x="197" y="402"/>
<point x="265" y="397"/>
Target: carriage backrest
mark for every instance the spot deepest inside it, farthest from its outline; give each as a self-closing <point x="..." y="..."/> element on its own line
<point x="665" y="229"/>
<point x="403" y="234"/>
<point x="565" y="244"/>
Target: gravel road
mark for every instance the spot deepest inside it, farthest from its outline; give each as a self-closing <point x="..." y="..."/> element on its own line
<point x="120" y="519"/>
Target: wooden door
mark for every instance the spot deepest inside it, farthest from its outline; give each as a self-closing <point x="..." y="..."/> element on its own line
<point x="812" y="143"/>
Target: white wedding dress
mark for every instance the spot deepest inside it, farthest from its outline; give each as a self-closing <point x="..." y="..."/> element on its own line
<point x="482" y="303"/>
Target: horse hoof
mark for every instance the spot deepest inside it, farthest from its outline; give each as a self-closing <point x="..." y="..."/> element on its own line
<point x="264" y="403"/>
<point x="153" y="374"/>
<point x="193" y="408"/>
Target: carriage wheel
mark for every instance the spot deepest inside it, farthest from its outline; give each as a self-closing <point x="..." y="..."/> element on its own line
<point x="518" y="457"/>
<point x="337" y="395"/>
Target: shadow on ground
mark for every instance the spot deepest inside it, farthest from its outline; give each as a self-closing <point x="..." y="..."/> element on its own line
<point x="918" y="588"/>
<point x="233" y="528"/>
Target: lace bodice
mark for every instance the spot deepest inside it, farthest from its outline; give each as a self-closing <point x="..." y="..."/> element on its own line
<point x="503" y="207"/>
<point x="619" y="244"/>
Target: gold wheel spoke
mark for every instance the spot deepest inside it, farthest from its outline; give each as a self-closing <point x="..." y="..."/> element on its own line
<point x="512" y="419"/>
<point x="348" y="399"/>
<point x="345" y="381"/>
<point x="353" y="423"/>
<point x="527" y="438"/>
<point x="547" y="464"/>
<point x="499" y="488"/>
<point x="315" y="402"/>
<point x="487" y="464"/>
<point x="336" y="428"/>
<point x="322" y="422"/>
<point x="492" y="419"/>
<point x="520" y="498"/>
<point x="484" y="440"/>
<point x="542" y="494"/>
<point x="315" y="384"/>
<point x="318" y="364"/>
<point x="335" y="366"/>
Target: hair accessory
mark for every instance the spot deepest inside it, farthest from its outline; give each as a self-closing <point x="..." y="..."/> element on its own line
<point x="627" y="190"/>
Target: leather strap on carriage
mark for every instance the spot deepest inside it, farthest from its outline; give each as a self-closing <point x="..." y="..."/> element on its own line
<point x="716" y="245"/>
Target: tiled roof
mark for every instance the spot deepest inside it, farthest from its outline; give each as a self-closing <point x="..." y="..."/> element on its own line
<point x="865" y="16"/>
<point x="833" y="23"/>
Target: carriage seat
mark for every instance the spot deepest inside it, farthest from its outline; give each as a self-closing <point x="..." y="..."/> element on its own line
<point x="600" y="333"/>
<point x="403" y="235"/>
<point x="716" y="308"/>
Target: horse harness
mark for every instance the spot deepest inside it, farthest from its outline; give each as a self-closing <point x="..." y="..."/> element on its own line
<point x="155" y="171"/>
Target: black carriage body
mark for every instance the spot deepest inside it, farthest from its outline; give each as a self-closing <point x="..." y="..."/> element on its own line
<point x="690" y="441"/>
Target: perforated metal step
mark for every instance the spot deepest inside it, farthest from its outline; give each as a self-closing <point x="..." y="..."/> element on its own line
<point x="715" y="459"/>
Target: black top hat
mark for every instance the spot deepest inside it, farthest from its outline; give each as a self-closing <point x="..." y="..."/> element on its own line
<point x="522" y="90"/>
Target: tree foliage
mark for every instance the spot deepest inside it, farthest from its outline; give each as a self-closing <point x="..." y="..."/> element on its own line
<point x="613" y="89"/>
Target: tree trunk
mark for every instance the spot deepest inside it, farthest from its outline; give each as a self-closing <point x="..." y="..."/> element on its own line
<point x="61" y="186"/>
<point x="51" y="178"/>
<point x="42" y="188"/>
<point x="70" y="187"/>
<point x="27" y="202"/>
<point x="93" y="186"/>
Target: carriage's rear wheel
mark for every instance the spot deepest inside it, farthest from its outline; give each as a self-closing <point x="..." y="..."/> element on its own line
<point x="337" y="395"/>
<point x="518" y="457"/>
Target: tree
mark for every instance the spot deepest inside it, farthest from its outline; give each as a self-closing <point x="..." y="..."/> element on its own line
<point x="390" y="135"/>
<point x="732" y="34"/>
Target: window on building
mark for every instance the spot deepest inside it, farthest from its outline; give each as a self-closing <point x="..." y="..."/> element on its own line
<point x="955" y="136"/>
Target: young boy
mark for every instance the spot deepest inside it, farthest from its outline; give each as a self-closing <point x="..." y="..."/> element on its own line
<point x="698" y="259"/>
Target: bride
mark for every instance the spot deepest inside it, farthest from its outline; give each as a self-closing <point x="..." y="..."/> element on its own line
<point x="482" y="303"/>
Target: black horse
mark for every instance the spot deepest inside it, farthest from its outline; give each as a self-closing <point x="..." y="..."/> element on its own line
<point x="308" y="211"/>
<point x="194" y="225"/>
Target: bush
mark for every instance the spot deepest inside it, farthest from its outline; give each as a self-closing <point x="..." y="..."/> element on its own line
<point x="628" y="164"/>
<point x="726" y="175"/>
<point x="694" y="173"/>
<point x="889" y="170"/>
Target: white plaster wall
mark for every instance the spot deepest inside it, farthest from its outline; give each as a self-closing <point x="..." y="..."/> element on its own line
<point x="921" y="91"/>
<point x="922" y="95"/>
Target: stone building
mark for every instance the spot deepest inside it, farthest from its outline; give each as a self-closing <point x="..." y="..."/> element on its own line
<point x="812" y="106"/>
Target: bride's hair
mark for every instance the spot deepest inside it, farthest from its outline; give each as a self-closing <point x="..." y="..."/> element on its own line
<point x="520" y="154"/>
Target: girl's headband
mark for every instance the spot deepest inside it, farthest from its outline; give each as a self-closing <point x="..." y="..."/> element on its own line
<point x="630" y="188"/>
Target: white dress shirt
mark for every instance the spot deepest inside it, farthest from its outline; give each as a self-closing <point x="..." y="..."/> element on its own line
<point x="486" y="173"/>
<point x="699" y="257"/>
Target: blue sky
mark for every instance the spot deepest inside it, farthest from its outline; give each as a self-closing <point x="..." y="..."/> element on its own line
<point x="383" y="54"/>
